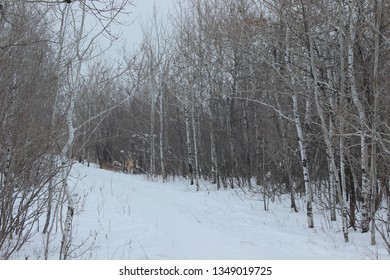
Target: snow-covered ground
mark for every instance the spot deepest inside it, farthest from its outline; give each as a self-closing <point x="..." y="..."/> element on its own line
<point x="121" y="216"/>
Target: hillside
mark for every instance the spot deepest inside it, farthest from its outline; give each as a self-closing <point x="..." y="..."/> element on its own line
<point x="121" y="216"/>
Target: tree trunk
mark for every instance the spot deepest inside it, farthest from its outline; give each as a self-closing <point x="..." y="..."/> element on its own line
<point x="214" y="159"/>
<point x="305" y="167"/>
<point x="194" y="129"/>
<point x="332" y="185"/>
<point x="362" y="120"/>
<point x="258" y="149"/>
<point x="66" y="152"/>
<point x="247" y="142"/>
<point x="287" y="159"/>
<point x="162" y="127"/>
<point x="66" y="166"/>
<point x="233" y="163"/>
<point x="46" y="229"/>
<point x="301" y="139"/>
<point x="214" y="155"/>
<point x="333" y="177"/>
<point x="387" y="187"/>
<point x="373" y="170"/>
<point x="188" y="137"/>
<point x="152" y="170"/>
<point x="326" y="135"/>
<point x="342" y="107"/>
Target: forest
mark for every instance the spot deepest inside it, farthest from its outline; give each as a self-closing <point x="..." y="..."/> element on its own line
<point x="283" y="97"/>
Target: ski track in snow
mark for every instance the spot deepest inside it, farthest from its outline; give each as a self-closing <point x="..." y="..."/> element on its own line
<point x="130" y="217"/>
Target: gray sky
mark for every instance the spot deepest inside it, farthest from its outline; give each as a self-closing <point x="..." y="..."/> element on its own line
<point x="141" y="15"/>
<point x="130" y="32"/>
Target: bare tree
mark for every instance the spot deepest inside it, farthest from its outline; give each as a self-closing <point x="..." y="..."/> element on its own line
<point x="27" y="75"/>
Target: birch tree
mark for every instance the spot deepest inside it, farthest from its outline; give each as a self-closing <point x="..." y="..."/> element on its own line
<point x="158" y="53"/>
<point x="326" y="132"/>
<point x="301" y="138"/>
<point x="365" y="184"/>
<point x="82" y="51"/>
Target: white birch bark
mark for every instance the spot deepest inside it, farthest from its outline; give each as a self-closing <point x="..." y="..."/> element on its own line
<point x="246" y="139"/>
<point x="213" y="146"/>
<point x="333" y="177"/>
<point x="194" y="132"/>
<point x="66" y="165"/>
<point x="188" y="138"/>
<point x="47" y="229"/>
<point x="342" y="104"/>
<point x="152" y="170"/>
<point x="258" y="148"/>
<point x="304" y="160"/>
<point x="373" y="170"/>
<point x="162" y="159"/>
<point x="214" y="159"/>
<point x="326" y="135"/>
<point x="231" y="137"/>
<point x="362" y="120"/>
<point x="301" y="139"/>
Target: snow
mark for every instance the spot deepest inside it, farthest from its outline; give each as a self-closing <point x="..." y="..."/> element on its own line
<point x="123" y="216"/>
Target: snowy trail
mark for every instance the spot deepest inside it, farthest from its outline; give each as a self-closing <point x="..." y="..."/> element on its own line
<point x="134" y="218"/>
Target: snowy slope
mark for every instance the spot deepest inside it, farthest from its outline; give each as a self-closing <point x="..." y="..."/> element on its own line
<point x="124" y="216"/>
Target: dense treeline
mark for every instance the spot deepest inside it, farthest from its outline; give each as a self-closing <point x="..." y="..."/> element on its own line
<point x="27" y="80"/>
<point x="281" y="97"/>
<point x="46" y="48"/>
<point x="287" y="95"/>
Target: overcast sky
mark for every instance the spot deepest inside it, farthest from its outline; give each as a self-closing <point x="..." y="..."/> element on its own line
<point x="138" y="16"/>
<point x="142" y="13"/>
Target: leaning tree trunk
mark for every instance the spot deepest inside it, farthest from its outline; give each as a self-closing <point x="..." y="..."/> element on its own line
<point x="326" y="136"/>
<point x="305" y="167"/>
<point x="66" y="167"/>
